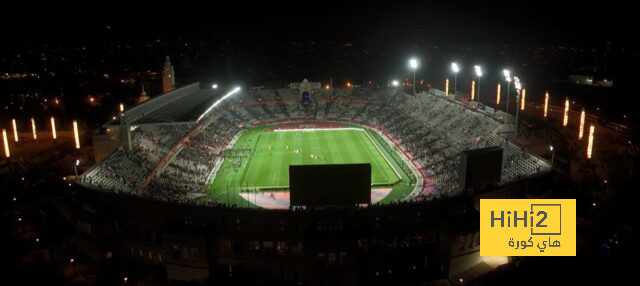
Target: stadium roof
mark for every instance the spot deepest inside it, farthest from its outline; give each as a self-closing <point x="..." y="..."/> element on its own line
<point x="185" y="104"/>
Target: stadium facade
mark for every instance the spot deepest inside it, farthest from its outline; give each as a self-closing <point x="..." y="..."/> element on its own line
<point x="148" y="199"/>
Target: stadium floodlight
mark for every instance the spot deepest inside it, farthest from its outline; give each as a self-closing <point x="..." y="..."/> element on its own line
<point x="478" y="71"/>
<point x="413" y="64"/>
<point x="455" y="68"/>
<point x="518" y="85"/>
<point x="214" y="86"/>
<point x="395" y="83"/>
<point x="507" y="78"/>
<point x="507" y="74"/>
<point x="235" y="90"/>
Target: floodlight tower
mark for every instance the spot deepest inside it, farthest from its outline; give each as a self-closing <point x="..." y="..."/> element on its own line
<point x="413" y="64"/>
<point x="455" y="68"/>
<point x="518" y="86"/>
<point x="478" y="71"/>
<point x="507" y="78"/>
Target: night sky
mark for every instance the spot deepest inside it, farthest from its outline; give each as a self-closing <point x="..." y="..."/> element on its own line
<point x="577" y="23"/>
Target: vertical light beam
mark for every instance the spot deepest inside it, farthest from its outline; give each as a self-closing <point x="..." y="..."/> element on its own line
<point x="565" y="120"/>
<point x="53" y="128"/>
<point x="546" y="103"/>
<point x="473" y="90"/>
<point x="498" y="95"/>
<point x="446" y="86"/>
<point x="522" y="100"/>
<point x="33" y="129"/>
<point x="592" y="130"/>
<point x="6" y="143"/>
<point x="15" y="130"/>
<point x="581" y="131"/>
<point x="75" y="134"/>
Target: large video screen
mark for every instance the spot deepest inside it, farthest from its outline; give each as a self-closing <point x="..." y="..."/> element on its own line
<point x="480" y="167"/>
<point x="325" y="185"/>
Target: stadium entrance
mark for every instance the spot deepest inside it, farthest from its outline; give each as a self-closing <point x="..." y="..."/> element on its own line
<point x="305" y="89"/>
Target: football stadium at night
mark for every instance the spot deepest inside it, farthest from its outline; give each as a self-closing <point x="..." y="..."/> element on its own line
<point x="204" y="146"/>
<point x="222" y="158"/>
<point x="359" y="143"/>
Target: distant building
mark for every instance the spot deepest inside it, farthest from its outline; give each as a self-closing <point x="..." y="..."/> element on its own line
<point x="143" y="96"/>
<point x="168" y="76"/>
<point x="588" y="80"/>
<point x="305" y="89"/>
<point x="305" y="85"/>
<point x="581" y="79"/>
<point x="604" y="83"/>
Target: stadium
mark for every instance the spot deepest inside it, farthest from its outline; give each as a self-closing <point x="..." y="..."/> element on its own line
<point x="205" y="146"/>
<point x="197" y="180"/>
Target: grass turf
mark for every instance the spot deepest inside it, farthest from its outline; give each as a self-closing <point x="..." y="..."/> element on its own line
<point x="260" y="159"/>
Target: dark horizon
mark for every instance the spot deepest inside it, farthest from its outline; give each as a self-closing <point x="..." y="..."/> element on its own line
<point x="378" y="24"/>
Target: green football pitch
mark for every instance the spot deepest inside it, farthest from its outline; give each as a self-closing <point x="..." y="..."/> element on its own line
<point x="260" y="157"/>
